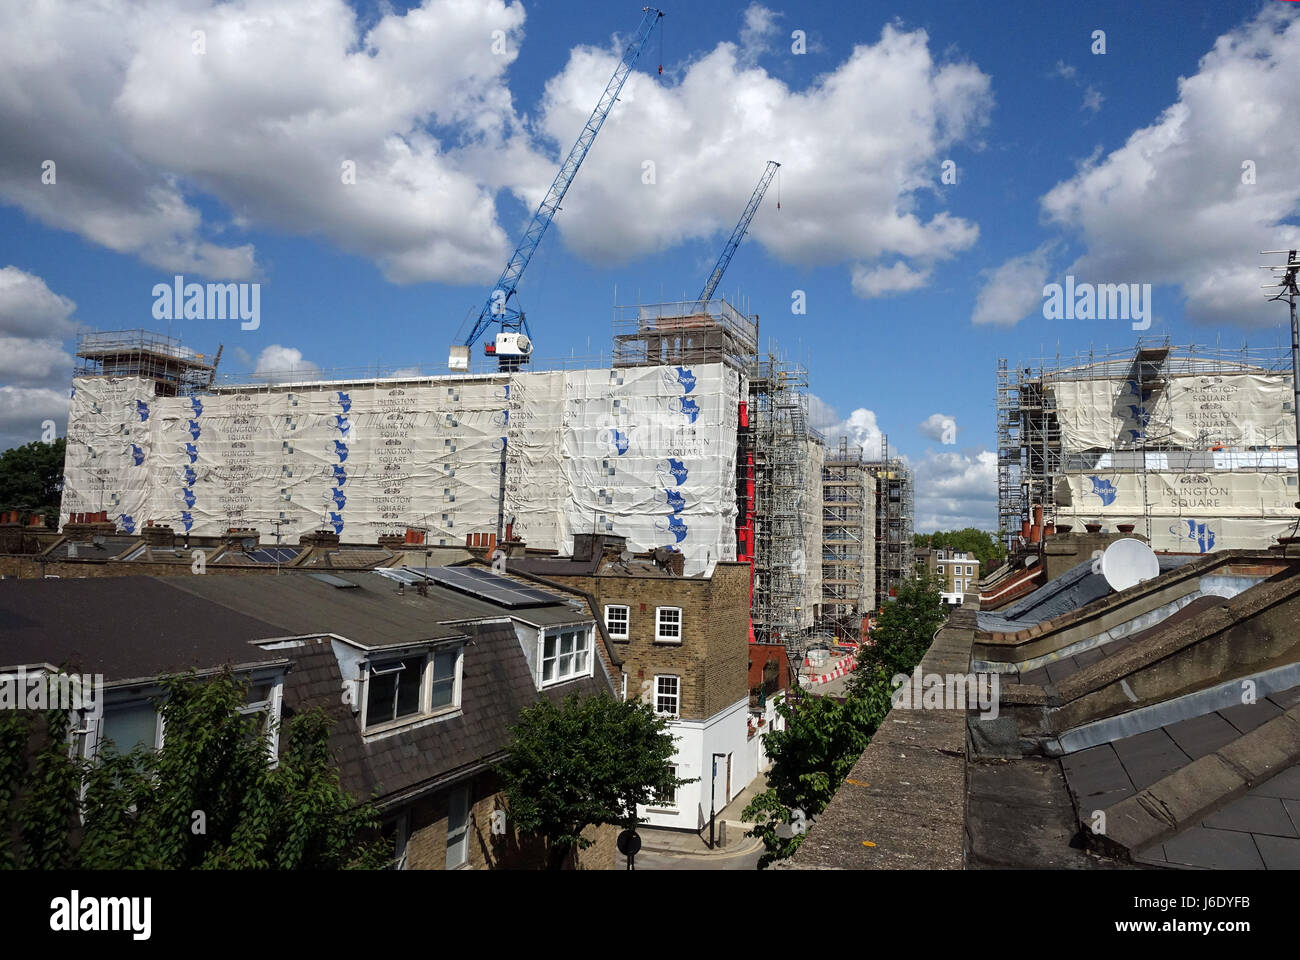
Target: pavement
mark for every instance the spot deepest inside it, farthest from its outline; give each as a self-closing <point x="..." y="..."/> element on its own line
<point x="666" y="849"/>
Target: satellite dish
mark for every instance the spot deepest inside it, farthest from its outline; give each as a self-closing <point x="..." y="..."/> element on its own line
<point x="249" y="545"/>
<point x="662" y="554"/>
<point x="1128" y="562"/>
<point x="626" y="556"/>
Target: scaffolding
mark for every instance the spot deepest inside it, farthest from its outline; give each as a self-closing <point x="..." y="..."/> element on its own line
<point x="778" y="412"/>
<point x="174" y="368"/>
<point x="1031" y="458"/>
<point x="848" y="528"/>
<point x="684" y="332"/>
<point x="895" y="552"/>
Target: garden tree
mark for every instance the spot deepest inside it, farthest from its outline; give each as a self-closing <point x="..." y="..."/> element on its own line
<point x="823" y="738"/>
<point x="902" y="634"/>
<point x="586" y="762"/>
<point x="209" y="798"/>
<point x="810" y="759"/>
<point x="31" y="478"/>
<point x="986" y="547"/>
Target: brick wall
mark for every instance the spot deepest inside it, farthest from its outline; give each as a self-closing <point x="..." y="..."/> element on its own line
<point x="426" y="845"/>
<point x="712" y="659"/>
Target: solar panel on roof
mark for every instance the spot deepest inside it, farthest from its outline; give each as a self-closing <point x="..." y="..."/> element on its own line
<point x="490" y="586"/>
<point x="272" y="554"/>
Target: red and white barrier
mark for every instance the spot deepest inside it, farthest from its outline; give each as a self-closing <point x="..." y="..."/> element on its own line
<point x="846" y="665"/>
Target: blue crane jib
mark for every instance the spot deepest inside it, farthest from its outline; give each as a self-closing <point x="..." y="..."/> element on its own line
<point x="738" y="234"/>
<point x="499" y="308"/>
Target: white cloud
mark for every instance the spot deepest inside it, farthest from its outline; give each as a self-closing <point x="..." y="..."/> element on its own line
<point x="1013" y="291"/>
<point x="937" y="425"/>
<point x="956" y="490"/>
<point x="1092" y="99"/>
<point x="859" y="149"/>
<point x="23" y="413"/>
<point x="35" y="370"/>
<point x="757" y="33"/>
<point x="1170" y="206"/>
<point x="28" y="308"/>
<point x="284" y="363"/>
<point x="31" y="362"/>
<point x="880" y="281"/>
<point x="1065" y="70"/>
<point x="860" y="426"/>
<point x="286" y="91"/>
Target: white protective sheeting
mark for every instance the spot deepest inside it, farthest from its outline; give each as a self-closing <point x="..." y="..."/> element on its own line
<point x="1197" y="411"/>
<point x="109" y="446"/>
<point x="1194" y="534"/>
<point x="1105" y="494"/>
<point x="646" y="452"/>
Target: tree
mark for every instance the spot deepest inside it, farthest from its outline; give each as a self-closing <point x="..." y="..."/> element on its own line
<point x="209" y="798"/>
<point x="988" y="548"/>
<point x="821" y="741"/>
<point x="824" y="738"/>
<point x="902" y="634"/>
<point x="31" y="478"/>
<point x="587" y="762"/>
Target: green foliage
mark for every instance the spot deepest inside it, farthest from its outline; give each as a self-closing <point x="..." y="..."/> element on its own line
<point x="587" y="762"/>
<point x="209" y="799"/>
<point x="31" y="478"/>
<point x="810" y="758"/>
<point x="986" y="547"/>
<point x="903" y="633"/>
<point x="823" y="738"/>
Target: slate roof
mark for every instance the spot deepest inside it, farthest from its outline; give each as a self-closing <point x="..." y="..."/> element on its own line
<point x="123" y="627"/>
<point x="87" y="550"/>
<point x="496" y="686"/>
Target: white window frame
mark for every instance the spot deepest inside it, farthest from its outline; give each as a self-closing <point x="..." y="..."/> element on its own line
<point x="676" y="695"/>
<point x="461" y="839"/>
<point x="659" y="625"/>
<point x="627" y="621"/>
<point x="969" y="570"/>
<point x="669" y="803"/>
<point x="582" y="633"/>
<point x="426" y="709"/>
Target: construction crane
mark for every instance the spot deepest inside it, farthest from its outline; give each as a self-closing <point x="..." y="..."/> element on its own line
<point x="513" y="343"/>
<point x="737" y="235"/>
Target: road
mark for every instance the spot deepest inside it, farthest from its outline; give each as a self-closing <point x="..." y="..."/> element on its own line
<point x="652" y="860"/>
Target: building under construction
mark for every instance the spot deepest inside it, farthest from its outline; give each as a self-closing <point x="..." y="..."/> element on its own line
<point x="848" y="540"/>
<point x="895" y="551"/>
<point x="686" y="439"/>
<point x="1191" y="447"/>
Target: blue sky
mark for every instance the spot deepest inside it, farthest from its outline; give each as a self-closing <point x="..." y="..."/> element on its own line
<point x="1115" y="167"/>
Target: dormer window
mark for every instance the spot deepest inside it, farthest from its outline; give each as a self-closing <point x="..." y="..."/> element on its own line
<point x="414" y="686"/>
<point x="566" y="654"/>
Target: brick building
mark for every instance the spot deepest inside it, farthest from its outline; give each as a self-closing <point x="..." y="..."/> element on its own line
<point x="423" y="680"/>
<point x="684" y="643"/>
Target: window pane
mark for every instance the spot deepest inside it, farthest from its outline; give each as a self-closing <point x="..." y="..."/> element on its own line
<point x="549" y="649"/>
<point x="408" y="690"/>
<point x="444" y="665"/>
<point x="442" y="691"/>
<point x="566" y="665"/>
<point x="548" y="670"/>
<point x="457" y="823"/>
<point x="130" y="725"/>
<point x="580" y="662"/>
<point x="379" y="700"/>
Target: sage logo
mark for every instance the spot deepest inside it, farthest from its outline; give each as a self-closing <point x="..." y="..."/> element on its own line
<point x="192" y="452"/>
<point x="680" y="377"/>
<point x="687" y="407"/>
<point x="1103" y="490"/>
<point x="1194" y="533"/>
<point x="345" y="401"/>
<point x="1104" y="301"/>
<point x="336" y="521"/>
<point x="674" y="469"/>
<point x="137" y="455"/>
<point x="128" y="522"/>
<point x="953" y="691"/>
<point x="75" y="913"/>
<point x="142" y="409"/>
<point x="212" y="301"/>
<point x="195" y="430"/>
<point x="197" y="406"/>
<point x="673" y="525"/>
<point x="187" y="518"/>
